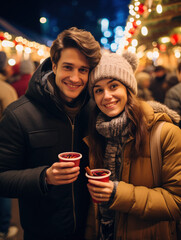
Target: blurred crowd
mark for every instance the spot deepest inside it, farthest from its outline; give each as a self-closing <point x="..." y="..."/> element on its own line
<point x="162" y="85"/>
<point x="14" y="82"/>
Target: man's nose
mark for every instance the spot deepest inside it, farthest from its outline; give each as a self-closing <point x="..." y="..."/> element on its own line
<point x="74" y="76"/>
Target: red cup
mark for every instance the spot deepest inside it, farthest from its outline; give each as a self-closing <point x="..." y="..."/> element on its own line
<point x="70" y="157"/>
<point x="99" y="175"/>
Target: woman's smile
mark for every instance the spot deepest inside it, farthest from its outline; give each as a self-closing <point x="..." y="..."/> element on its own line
<point x="111" y="105"/>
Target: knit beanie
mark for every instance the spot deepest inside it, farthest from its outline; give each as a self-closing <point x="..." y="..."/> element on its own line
<point x="26" y="67"/>
<point x="120" y="67"/>
<point x="3" y="60"/>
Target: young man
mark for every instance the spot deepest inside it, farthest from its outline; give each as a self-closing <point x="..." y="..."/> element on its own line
<point x="51" y="118"/>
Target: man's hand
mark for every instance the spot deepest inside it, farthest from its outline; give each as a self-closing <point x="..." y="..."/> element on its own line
<point x="62" y="173"/>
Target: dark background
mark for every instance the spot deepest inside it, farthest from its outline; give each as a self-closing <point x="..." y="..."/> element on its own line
<point x="62" y="14"/>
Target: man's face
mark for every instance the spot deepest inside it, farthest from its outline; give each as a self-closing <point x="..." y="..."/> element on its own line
<point x="71" y="73"/>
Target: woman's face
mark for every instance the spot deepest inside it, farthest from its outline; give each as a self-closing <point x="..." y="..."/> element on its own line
<point x="110" y="96"/>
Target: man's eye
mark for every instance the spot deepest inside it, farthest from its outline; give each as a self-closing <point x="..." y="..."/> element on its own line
<point x="67" y="67"/>
<point x="84" y="70"/>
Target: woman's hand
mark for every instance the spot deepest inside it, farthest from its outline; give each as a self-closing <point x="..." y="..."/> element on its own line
<point x="62" y="173"/>
<point x="100" y="191"/>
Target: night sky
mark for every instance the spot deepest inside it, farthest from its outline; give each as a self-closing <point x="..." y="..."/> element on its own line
<point x="64" y="14"/>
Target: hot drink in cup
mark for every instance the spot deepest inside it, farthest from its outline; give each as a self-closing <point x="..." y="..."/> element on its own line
<point x="99" y="175"/>
<point x="70" y="157"/>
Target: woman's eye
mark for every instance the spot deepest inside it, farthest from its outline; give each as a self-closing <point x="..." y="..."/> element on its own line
<point x="97" y="91"/>
<point x="113" y="86"/>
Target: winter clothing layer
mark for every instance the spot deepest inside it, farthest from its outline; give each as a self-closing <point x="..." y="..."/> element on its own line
<point x="34" y="130"/>
<point x="21" y="85"/>
<point x="143" y="211"/>
<point x="7" y="94"/>
<point x="116" y="131"/>
<point x="173" y="98"/>
<point x="121" y="67"/>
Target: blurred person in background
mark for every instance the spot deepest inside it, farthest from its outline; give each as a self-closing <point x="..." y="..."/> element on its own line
<point x="173" y="96"/>
<point x="7" y="93"/>
<point x="52" y="117"/>
<point x="157" y="83"/>
<point x="143" y="80"/>
<point x="7" y="96"/>
<point x="170" y="81"/>
<point x="26" y="69"/>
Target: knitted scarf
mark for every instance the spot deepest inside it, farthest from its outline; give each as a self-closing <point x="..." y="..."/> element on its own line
<point x="116" y="132"/>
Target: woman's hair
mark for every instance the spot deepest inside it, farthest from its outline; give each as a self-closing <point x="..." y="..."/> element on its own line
<point x="80" y="39"/>
<point x="179" y="67"/>
<point x="138" y="130"/>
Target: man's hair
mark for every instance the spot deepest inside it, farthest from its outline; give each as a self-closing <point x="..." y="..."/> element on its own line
<point x="80" y="39"/>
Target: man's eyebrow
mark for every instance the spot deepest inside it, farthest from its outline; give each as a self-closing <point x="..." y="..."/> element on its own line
<point x="67" y="63"/>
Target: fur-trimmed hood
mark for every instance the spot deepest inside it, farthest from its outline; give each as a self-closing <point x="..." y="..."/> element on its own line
<point x="155" y="111"/>
<point x="161" y="108"/>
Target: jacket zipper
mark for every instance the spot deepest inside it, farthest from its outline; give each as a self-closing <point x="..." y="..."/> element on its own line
<point x="73" y="200"/>
<point x="72" y="123"/>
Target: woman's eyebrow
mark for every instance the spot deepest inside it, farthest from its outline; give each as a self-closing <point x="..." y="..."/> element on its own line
<point x="96" y="85"/>
<point x="112" y="80"/>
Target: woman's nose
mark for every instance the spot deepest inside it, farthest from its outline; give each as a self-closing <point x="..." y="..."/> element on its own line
<point x="107" y="94"/>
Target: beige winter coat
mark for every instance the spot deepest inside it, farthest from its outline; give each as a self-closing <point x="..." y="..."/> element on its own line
<point x="143" y="211"/>
<point x="7" y="94"/>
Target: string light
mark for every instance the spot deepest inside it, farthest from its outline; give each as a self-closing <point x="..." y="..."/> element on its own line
<point x="159" y="8"/>
<point x="22" y="46"/>
<point x="144" y="31"/>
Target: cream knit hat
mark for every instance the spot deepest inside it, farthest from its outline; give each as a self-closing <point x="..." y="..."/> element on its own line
<point x="120" y="67"/>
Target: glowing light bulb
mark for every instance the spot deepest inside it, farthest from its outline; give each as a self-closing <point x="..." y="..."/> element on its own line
<point x="159" y="8"/>
<point x="144" y="31"/>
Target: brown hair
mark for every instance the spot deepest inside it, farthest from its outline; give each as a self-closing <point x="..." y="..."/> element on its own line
<point x="179" y="67"/>
<point x="76" y="38"/>
<point x="138" y="131"/>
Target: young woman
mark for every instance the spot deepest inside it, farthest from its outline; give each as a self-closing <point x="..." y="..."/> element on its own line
<point x="132" y="207"/>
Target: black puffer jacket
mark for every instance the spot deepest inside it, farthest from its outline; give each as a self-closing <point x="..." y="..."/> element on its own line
<point x="33" y="131"/>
